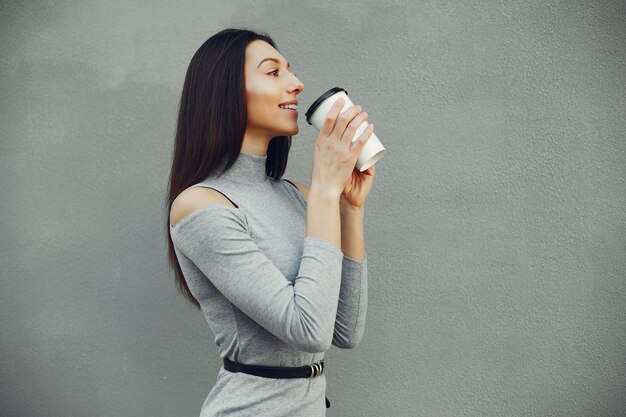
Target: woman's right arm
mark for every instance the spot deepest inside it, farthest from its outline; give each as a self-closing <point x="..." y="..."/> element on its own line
<point x="334" y="160"/>
<point x="302" y="314"/>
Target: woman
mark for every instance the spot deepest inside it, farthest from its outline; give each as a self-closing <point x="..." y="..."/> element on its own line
<point x="259" y="255"/>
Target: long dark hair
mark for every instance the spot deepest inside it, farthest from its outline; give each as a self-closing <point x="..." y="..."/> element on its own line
<point x="212" y="121"/>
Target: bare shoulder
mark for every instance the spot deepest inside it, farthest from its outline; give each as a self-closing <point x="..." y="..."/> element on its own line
<point x="194" y="198"/>
<point x="303" y="189"/>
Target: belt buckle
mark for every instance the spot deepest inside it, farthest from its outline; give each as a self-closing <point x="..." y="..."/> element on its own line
<point x="316" y="368"/>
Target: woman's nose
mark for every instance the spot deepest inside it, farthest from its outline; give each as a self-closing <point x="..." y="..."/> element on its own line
<point x="299" y="86"/>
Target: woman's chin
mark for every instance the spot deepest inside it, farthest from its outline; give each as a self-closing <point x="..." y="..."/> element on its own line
<point x="292" y="132"/>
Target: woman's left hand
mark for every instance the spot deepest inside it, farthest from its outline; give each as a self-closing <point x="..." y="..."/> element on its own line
<point x="358" y="188"/>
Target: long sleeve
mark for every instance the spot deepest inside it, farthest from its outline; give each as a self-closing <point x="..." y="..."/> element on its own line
<point x="302" y="314"/>
<point x="352" y="308"/>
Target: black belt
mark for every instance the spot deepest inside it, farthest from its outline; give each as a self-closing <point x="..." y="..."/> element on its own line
<point x="306" y="371"/>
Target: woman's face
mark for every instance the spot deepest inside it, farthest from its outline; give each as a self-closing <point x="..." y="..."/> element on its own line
<point x="268" y="84"/>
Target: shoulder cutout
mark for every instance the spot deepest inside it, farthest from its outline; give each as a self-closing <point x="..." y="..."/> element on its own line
<point x="303" y="188"/>
<point x="194" y="198"/>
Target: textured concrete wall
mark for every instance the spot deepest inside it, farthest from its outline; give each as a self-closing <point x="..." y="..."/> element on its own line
<point x="496" y="230"/>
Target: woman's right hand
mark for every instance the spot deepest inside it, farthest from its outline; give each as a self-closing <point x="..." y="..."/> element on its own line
<point x="335" y="154"/>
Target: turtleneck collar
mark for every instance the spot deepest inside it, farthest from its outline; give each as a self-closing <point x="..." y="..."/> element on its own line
<point x="247" y="168"/>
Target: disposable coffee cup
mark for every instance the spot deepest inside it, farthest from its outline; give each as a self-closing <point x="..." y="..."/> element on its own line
<point x="317" y="112"/>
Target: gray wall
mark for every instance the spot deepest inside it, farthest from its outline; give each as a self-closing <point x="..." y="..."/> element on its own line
<point x="496" y="230"/>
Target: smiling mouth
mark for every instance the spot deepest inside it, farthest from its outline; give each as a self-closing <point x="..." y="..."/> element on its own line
<point x="292" y="111"/>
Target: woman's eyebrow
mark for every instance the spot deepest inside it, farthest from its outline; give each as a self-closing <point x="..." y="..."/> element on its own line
<point x="272" y="59"/>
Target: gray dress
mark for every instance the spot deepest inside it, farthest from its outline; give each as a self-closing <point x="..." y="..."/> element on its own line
<point x="270" y="294"/>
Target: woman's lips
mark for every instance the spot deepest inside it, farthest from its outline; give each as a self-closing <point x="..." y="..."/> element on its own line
<point x="293" y="112"/>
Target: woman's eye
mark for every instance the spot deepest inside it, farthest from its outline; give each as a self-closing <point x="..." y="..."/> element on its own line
<point x="275" y="71"/>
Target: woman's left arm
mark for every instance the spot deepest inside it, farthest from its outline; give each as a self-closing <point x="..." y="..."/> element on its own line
<point x="352" y="308"/>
